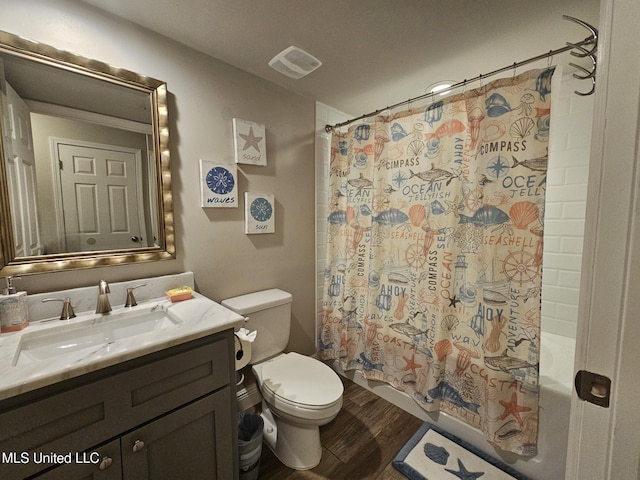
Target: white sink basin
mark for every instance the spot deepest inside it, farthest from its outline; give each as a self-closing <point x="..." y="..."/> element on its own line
<point x="97" y="331"/>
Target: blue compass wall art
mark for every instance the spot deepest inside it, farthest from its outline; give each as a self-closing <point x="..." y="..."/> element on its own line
<point x="259" y="213"/>
<point x="218" y="184"/>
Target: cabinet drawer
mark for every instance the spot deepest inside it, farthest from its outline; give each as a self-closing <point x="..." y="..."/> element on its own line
<point x="68" y="422"/>
<point x="156" y="388"/>
<point x="101" y="463"/>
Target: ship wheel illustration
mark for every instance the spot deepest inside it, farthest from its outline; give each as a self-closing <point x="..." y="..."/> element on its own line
<point x="520" y="266"/>
<point x="380" y="203"/>
<point x="473" y="199"/>
<point x="415" y="255"/>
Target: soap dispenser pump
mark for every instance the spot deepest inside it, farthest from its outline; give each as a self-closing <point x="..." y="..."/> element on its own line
<point x="9" y="289"/>
<point x="13" y="308"/>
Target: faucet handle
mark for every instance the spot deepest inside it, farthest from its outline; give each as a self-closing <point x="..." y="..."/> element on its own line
<point x="131" y="300"/>
<point x="67" y="309"/>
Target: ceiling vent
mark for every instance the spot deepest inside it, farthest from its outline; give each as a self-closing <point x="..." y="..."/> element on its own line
<point x="294" y="62"/>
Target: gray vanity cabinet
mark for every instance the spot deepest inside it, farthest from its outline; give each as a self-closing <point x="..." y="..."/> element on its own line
<point x="108" y="466"/>
<point x="167" y="415"/>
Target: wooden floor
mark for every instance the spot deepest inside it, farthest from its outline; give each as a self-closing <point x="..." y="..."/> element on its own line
<point x="359" y="444"/>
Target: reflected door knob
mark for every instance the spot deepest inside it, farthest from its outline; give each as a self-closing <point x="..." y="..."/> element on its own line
<point x="105" y="463"/>
<point x="135" y="239"/>
<point x="137" y="446"/>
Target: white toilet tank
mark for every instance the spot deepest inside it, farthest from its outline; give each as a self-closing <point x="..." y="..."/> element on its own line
<point x="269" y="313"/>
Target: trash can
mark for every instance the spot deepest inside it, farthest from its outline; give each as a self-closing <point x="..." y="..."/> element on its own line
<point x="250" y="429"/>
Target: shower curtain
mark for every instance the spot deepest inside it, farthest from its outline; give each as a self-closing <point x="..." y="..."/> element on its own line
<point x="434" y="254"/>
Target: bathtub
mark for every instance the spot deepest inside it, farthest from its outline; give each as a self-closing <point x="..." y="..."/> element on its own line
<point x="556" y="383"/>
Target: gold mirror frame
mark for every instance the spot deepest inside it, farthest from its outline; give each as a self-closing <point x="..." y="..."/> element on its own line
<point x="157" y="90"/>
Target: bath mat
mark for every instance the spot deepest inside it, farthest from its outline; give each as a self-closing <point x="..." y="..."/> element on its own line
<point x="432" y="454"/>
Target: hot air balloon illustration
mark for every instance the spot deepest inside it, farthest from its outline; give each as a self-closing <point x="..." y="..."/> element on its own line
<point x="523" y="213"/>
<point x="522" y="127"/>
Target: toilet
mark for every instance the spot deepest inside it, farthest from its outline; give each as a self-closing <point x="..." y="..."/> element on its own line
<point x="299" y="393"/>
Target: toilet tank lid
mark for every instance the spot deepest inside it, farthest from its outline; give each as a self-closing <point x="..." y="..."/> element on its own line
<point x="253" y="302"/>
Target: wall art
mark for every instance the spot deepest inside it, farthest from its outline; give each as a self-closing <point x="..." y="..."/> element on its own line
<point x="259" y="213"/>
<point x="218" y="184"/>
<point x="249" y="141"/>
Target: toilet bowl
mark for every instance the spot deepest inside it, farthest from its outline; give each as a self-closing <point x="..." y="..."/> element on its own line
<point x="299" y="394"/>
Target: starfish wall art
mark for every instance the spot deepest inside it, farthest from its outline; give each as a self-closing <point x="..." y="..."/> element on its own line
<point x="249" y="141"/>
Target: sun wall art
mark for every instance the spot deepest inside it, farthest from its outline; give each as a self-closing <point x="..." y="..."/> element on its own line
<point x="218" y="184"/>
<point x="259" y="213"/>
<point x="249" y="141"/>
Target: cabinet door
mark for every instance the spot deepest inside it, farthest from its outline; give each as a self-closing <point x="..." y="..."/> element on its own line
<point x="194" y="442"/>
<point x="102" y="463"/>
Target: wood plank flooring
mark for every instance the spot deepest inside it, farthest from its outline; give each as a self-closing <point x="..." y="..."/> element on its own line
<point x="359" y="444"/>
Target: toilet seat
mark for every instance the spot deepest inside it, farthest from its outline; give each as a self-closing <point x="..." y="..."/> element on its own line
<point x="296" y="382"/>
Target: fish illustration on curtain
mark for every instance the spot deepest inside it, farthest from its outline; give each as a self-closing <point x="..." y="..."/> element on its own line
<point x="434" y="256"/>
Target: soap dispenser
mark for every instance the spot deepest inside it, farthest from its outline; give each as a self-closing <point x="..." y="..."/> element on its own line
<point x="13" y="308"/>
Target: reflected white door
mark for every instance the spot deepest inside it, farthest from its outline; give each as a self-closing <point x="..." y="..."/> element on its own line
<point x="21" y="175"/>
<point x="100" y="194"/>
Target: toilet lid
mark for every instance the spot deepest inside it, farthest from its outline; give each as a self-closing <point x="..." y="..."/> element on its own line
<point x="302" y="380"/>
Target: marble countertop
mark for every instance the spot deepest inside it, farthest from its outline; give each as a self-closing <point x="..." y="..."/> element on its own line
<point x="199" y="317"/>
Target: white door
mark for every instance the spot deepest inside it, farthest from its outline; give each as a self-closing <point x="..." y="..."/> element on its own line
<point x="21" y="175"/>
<point x="604" y="443"/>
<point x="100" y="196"/>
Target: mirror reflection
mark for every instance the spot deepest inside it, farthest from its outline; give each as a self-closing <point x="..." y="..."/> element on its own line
<point x="85" y="158"/>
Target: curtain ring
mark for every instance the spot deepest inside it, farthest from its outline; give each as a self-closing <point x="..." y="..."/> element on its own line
<point x="514" y="70"/>
<point x="549" y="59"/>
<point x="464" y="86"/>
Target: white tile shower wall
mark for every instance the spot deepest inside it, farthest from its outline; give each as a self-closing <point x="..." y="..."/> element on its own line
<point x="564" y="211"/>
<point x="570" y="141"/>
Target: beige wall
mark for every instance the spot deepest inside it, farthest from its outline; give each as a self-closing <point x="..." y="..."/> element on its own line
<point x="204" y="96"/>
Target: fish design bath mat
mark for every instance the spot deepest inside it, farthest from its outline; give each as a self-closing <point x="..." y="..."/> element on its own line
<point x="432" y="454"/>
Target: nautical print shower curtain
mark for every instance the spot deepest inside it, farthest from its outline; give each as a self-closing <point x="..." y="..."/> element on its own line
<point x="434" y="256"/>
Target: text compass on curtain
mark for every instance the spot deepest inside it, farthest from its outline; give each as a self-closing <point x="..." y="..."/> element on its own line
<point x="585" y="48"/>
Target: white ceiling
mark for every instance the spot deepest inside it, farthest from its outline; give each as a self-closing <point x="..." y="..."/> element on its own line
<point x="374" y="52"/>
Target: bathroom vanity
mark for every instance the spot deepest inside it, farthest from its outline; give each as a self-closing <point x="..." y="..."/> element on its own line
<point x="159" y="404"/>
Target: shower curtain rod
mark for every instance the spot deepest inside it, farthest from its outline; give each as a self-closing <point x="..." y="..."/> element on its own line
<point x="583" y="52"/>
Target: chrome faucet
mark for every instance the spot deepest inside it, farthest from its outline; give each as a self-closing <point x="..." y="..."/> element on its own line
<point x="103" y="305"/>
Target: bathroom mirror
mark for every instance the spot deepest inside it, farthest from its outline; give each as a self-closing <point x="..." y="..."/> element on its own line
<point x="85" y="177"/>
